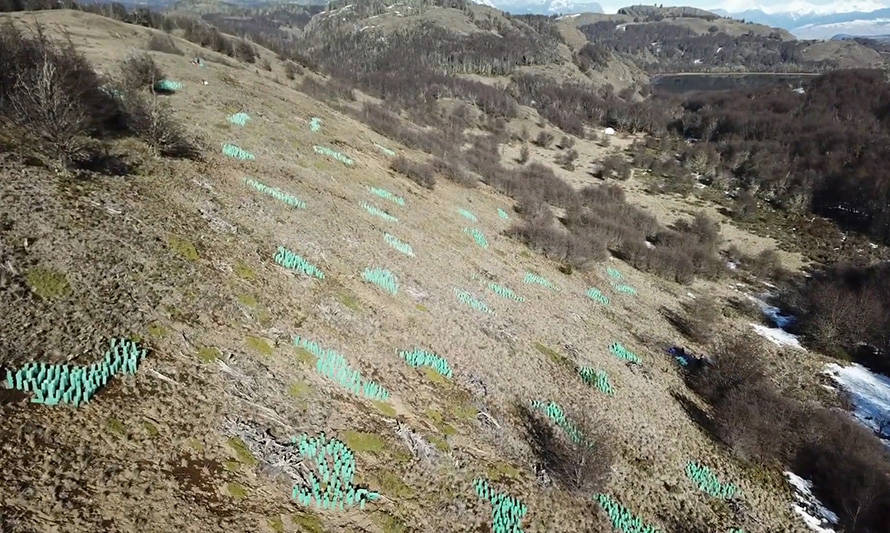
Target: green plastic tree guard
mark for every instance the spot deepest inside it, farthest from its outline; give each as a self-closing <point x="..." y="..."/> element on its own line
<point x="292" y="261"/>
<point x="394" y="241"/>
<point x="383" y="278"/>
<point x="236" y="152"/>
<point x="239" y="119"/>
<point x="290" y="200"/>
<point x="419" y="357"/>
<point x="74" y="384"/>
<point x="329" y="476"/>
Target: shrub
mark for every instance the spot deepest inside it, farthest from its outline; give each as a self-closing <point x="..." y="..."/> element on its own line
<point x="543" y="139"/>
<point x="452" y="172"/>
<point x="139" y="71"/>
<point x="567" y="160"/>
<point x="615" y="166"/>
<point x="582" y="467"/>
<point x="699" y="320"/>
<point x="419" y="173"/>
<point x="163" y="43"/>
<point x="291" y="70"/>
<point x="51" y="96"/>
<point x="153" y="121"/>
<point x="566" y="142"/>
<point x="244" y="51"/>
<point x="847" y="464"/>
<point x="523" y="155"/>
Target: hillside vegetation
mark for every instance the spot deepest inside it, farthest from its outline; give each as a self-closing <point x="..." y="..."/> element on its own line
<point x="388" y="279"/>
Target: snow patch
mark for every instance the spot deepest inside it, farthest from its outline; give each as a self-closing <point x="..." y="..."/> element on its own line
<point x="818" y="517"/>
<point x="609" y="131"/>
<point x="869" y="392"/>
<point x="777" y="336"/>
<point x="776" y="316"/>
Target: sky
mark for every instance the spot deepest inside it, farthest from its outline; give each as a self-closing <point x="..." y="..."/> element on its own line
<point x="768" y="6"/>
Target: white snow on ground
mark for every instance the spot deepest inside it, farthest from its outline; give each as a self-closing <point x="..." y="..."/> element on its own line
<point x="818" y="517"/>
<point x="777" y="336"/>
<point x="869" y="392"/>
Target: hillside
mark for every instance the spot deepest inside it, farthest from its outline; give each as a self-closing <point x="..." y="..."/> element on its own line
<point x="304" y="290"/>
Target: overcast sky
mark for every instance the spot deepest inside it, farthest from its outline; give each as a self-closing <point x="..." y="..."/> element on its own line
<point x="769" y="6"/>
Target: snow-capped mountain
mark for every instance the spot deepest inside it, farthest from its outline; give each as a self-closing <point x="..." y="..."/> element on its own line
<point x="544" y="7"/>
<point x="821" y="26"/>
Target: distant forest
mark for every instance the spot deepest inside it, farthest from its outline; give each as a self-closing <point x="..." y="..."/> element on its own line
<point x="823" y="150"/>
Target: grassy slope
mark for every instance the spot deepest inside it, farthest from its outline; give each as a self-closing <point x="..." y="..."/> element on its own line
<point x="153" y="451"/>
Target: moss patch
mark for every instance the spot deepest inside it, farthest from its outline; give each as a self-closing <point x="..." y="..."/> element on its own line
<point x="244" y="272"/>
<point x="464" y="412"/>
<point x="237" y="490"/>
<point x="392" y="485"/>
<point x="299" y="389"/>
<point x="47" y="283"/>
<point x="258" y="344"/>
<point x="151" y="429"/>
<point x="501" y="470"/>
<point x="232" y="466"/>
<point x="208" y="354"/>
<point x="554" y="356"/>
<point x="389" y="523"/>
<point x="433" y="376"/>
<point x="422" y="308"/>
<point x="157" y="331"/>
<point x="304" y="356"/>
<point x="385" y="408"/>
<point x="116" y="426"/>
<point x="247" y="300"/>
<point x="363" y="442"/>
<point x="440" y="443"/>
<point x="195" y="445"/>
<point x="276" y="524"/>
<point x="307" y="522"/>
<point x="242" y="452"/>
<point x="349" y="301"/>
<point x="183" y="247"/>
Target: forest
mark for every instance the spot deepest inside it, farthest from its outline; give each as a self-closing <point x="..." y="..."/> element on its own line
<point x="822" y="149"/>
<point x="666" y="47"/>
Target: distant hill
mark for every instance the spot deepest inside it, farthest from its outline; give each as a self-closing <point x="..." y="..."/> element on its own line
<point x="821" y="26"/>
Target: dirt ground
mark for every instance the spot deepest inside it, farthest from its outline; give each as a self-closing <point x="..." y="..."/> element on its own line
<point x="180" y="256"/>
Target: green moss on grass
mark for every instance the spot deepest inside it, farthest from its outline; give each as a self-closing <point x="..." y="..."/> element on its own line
<point x="116" y="426"/>
<point x="464" y="412"/>
<point x="363" y="442"/>
<point x="237" y="490"/>
<point x="554" y="356"/>
<point x="304" y="356"/>
<point x="389" y="523"/>
<point x="242" y="452"/>
<point x="232" y="466"/>
<point x="258" y="344"/>
<point x="157" y="331"/>
<point x="422" y="308"/>
<point x="392" y="486"/>
<point x="307" y="522"/>
<point x="501" y="471"/>
<point x="183" y="247"/>
<point x="248" y="300"/>
<point x="440" y="443"/>
<point x="208" y="354"/>
<point x="276" y="524"/>
<point x="47" y="283"/>
<point x="385" y="408"/>
<point x="349" y="300"/>
<point x="244" y="272"/>
<point x="299" y="389"/>
<point x="150" y="428"/>
<point x="433" y="376"/>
